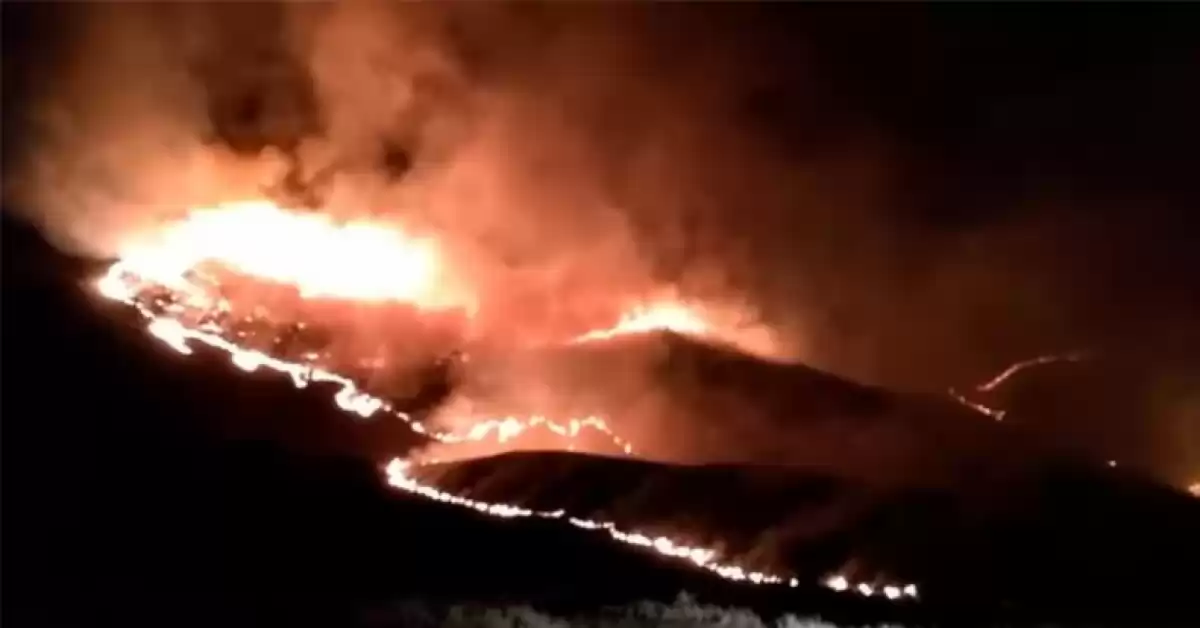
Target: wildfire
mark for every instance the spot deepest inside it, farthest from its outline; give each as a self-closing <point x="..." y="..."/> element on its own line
<point x="363" y="262"/>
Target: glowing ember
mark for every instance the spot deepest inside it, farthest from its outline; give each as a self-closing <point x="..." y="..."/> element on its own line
<point x="362" y="262"/>
<point x="1194" y="489"/>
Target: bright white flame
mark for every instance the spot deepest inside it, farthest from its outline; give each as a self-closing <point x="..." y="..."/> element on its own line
<point x="837" y="583"/>
<point x="355" y="260"/>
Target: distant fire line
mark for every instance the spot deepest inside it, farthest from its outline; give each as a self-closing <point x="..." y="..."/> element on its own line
<point x="1013" y="369"/>
<point x="1006" y="374"/>
<point x="349" y="396"/>
<point x="398" y="477"/>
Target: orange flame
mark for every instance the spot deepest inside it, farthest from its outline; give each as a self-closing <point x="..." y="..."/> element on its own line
<point x="718" y="323"/>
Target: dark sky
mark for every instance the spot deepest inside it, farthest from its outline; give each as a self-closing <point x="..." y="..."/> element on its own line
<point x="920" y="193"/>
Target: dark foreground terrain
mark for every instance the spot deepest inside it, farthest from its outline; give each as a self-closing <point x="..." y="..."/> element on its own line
<point x="142" y="488"/>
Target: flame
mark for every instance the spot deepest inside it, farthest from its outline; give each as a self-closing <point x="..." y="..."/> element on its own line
<point x="357" y="261"/>
<point x="733" y="325"/>
<point x="662" y="316"/>
<point x="364" y="262"/>
<point x="1194" y="489"/>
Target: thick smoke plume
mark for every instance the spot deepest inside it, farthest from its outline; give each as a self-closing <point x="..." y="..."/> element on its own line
<point x="572" y="155"/>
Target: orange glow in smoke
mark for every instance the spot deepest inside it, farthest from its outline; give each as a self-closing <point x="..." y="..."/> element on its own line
<point x="365" y="262"/>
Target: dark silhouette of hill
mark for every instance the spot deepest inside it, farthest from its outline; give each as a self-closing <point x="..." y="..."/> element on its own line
<point x="140" y="487"/>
